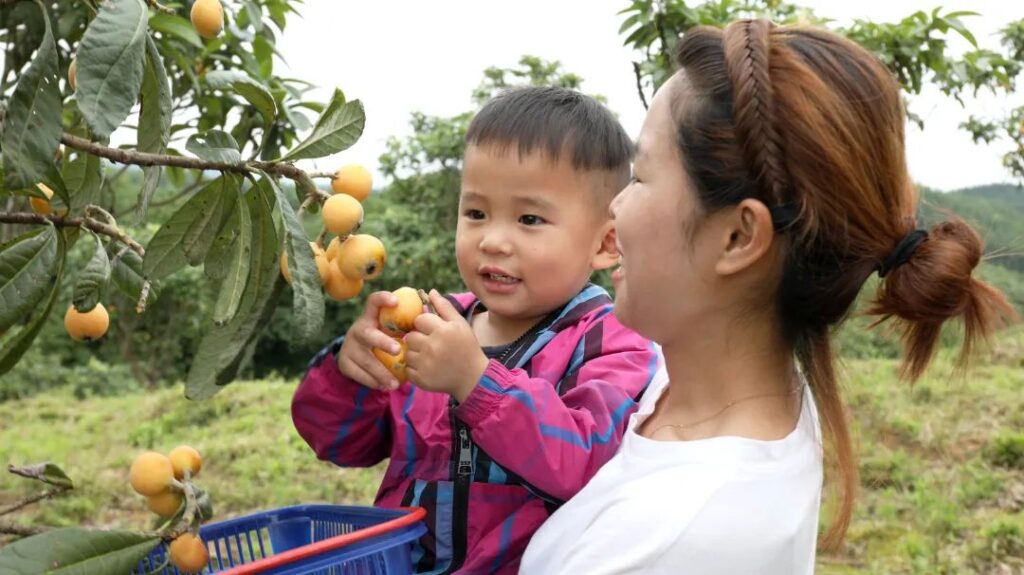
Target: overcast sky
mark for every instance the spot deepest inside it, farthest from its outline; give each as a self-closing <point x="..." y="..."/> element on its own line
<point x="405" y="55"/>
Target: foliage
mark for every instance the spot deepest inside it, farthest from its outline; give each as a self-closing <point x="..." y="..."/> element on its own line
<point x="916" y="49"/>
<point x="222" y="101"/>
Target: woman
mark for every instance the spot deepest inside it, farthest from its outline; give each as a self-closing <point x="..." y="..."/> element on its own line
<point x="770" y="184"/>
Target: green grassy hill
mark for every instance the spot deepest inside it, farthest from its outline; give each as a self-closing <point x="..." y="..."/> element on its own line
<point x="942" y="463"/>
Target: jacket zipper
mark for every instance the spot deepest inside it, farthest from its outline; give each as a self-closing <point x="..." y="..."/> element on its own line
<point x="462" y="445"/>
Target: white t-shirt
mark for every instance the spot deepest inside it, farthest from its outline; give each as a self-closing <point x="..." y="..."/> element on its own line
<point x="720" y="505"/>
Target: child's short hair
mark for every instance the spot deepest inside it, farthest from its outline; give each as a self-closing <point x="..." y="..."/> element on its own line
<point x="560" y="123"/>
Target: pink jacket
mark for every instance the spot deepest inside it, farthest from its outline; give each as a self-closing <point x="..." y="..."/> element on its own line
<point x="549" y="410"/>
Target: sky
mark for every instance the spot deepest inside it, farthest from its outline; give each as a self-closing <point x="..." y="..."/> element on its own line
<point x="406" y="55"/>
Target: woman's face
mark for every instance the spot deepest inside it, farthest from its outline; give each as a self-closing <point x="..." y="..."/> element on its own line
<point x="666" y="284"/>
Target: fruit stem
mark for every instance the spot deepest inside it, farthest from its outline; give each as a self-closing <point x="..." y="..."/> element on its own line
<point x="159" y="7"/>
<point x="426" y="301"/>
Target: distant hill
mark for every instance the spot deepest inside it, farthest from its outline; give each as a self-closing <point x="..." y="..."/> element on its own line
<point x="996" y="210"/>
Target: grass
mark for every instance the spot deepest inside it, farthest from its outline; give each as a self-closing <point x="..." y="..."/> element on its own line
<point x="942" y="462"/>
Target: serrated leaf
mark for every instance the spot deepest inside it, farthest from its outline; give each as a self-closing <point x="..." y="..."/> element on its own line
<point x="154" y="122"/>
<point x="77" y="551"/>
<point x="338" y="127"/>
<point x="110" y="64"/>
<point x="186" y="237"/>
<point x="306" y="284"/>
<point x="256" y="93"/>
<point x="222" y="348"/>
<point x="26" y="273"/>
<point x="234" y="283"/>
<point x="19" y="344"/>
<point x="93" y="280"/>
<point x="32" y="121"/>
<point x="214" y="146"/>
<point x="172" y="25"/>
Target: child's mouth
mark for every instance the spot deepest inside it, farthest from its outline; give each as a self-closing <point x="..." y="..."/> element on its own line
<point x="501" y="278"/>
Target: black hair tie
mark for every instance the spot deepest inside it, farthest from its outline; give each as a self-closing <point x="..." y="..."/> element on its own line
<point x="903" y="251"/>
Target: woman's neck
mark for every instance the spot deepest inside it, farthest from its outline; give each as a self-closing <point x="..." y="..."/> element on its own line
<point x="727" y="362"/>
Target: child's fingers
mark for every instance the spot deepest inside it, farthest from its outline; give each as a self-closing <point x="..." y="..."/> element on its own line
<point x="377" y="300"/>
<point x="380" y="378"/>
<point x="349" y="369"/>
<point x="444" y="308"/>
<point x="370" y="337"/>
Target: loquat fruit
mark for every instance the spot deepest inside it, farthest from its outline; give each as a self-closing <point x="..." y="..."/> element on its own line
<point x="185" y="457"/>
<point x="339" y="286"/>
<point x="353" y="180"/>
<point x="343" y="214"/>
<point x="394" y="363"/>
<point x="207" y="17"/>
<point x="87" y="326"/>
<point x="165" y="504"/>
<point x="189" y="553"/>
<point x="362" y="256"/>
<point x="398" y="320"/>
<point x="151" y="473"/>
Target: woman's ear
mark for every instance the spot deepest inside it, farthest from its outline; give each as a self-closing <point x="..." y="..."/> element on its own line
<point x="607" y="254"/>
<point x="748" y="236"/>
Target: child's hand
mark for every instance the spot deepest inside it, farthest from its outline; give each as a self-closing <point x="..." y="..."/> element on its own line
<point x="444" y="354"/>
<point x="356" y="360"/>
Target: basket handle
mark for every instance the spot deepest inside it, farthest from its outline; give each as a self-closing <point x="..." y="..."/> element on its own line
<point x="413" y="514"/>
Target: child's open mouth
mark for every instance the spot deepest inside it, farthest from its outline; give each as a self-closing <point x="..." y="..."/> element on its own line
<point x="499" y="282"/>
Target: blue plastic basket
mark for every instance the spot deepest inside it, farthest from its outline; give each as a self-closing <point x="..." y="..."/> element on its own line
<point x="308" y="540"/>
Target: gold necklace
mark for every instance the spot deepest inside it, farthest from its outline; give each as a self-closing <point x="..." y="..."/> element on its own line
<point x="721" y="411"/>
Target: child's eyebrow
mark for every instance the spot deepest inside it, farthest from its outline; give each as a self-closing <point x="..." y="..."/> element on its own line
<point x="535" y="202"/>
<point x="472" y="196"/>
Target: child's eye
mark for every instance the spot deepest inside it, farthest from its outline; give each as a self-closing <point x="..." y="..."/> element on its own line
<point x="474" y="214"/>
<point x="531" y="220"/>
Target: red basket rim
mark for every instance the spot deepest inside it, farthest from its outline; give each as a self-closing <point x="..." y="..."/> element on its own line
<point x="413" y="515"/>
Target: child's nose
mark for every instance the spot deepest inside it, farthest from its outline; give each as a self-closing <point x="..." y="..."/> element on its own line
<point x="495" y="242"/>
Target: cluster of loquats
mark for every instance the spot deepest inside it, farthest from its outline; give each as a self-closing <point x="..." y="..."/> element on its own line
<point x="164" y="481"/>
<point x="397" y="321"/>
<point x="350" y="258"/>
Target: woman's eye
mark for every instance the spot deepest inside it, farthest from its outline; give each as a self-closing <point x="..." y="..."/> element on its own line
<point x="531" y="220"/>
<point x="474" y="214"/>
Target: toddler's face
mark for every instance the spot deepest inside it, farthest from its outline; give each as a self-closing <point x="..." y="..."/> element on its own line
<point x="529" y="231"/>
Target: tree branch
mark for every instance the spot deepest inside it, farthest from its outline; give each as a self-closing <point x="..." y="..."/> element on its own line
<point x="159" y="7"/>
<point x="33" y="498"/>
<point x="83" y="221"/>
<point x="639" y="84"/>
<point x="120" y="156"/>
<point x="21" y="530"/>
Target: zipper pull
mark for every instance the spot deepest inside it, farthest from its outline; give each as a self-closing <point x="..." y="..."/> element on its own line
<point x="465" y="455"/>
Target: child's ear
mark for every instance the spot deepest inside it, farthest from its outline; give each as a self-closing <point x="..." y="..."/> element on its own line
<point x="607" y="252"/>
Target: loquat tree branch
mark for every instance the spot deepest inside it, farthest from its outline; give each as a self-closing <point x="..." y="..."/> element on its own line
<point x="78" y="221"/>
<point x="34" y="498"/>
<point x="21" y="530"/>
<point x="286" y="169"/>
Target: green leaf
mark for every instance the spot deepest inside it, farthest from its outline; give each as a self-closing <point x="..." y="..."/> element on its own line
<point x="32" y="122"/>
<point x="110" y="64"/>
<point x="26" y="273"/>
<point x="234" y="283"/>
<point x="255" y="16"/>
<point x="306" y="285"/>
<point x="126" y="273"/>
<point x="48" y="473"/>
<point x="338" y="127"/>
<point x="93" y="279"/>
<point x="172" y="25"/>
<point x="218" y="258"/>
<point x="19" y="344"/>
<point x="77" y="551"/>
<point x="186" y="237"/>
<point x="154" y="121"/>
<point x="222" y="349"/>
<point x="215" y="146"/>
<point x="256" y="93"/>
<point x="84" y="178"/>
